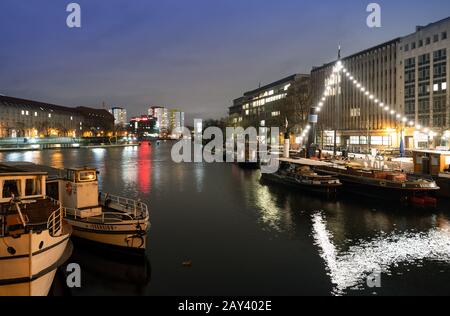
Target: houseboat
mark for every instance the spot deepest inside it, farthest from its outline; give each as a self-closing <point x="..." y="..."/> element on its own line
<point x="298" y="173"/>
<point x="382" y="184"/>
<point x="34" y="236"/>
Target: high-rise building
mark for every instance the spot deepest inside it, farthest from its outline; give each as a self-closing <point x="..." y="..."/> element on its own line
<point x="161" y="114"/>
<point x="176" y="119"/>
<point x="120" y="116"/>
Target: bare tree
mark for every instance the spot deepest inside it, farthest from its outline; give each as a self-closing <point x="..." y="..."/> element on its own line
<point x="297" y="104"/>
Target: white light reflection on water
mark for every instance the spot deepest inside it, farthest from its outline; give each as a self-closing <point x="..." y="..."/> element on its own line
<point x="349" y="269"/>
<point x="270" y="213"/>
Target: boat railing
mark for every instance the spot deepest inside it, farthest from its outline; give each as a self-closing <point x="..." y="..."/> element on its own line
<point x="104" y="218"/>
<point x="55" y="223"/>
<point x="134" y="207"/>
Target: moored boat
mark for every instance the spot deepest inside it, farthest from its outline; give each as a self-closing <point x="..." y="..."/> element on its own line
<point x="382" y="184"/>
<point x="34" y="236"/>
<point x="101" y="218"/>
<point x="298" y="173"/>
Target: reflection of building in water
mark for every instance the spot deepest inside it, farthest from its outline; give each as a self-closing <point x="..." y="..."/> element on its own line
<point x="350" y="268"/>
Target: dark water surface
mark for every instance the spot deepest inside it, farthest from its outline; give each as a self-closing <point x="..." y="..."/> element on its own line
<point x="245" y="237"/>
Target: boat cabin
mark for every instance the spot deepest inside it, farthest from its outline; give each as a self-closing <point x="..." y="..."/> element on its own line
<point x="431" y="162"/>
<point x="77" y="191"/>
<point x="21" y="185"/>
<point x="23" y="203"/>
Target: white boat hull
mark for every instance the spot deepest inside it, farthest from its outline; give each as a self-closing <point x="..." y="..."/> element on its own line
<point x="24" y="274"/>
<point x="125" y="235"/>
<point x="38" y="287"/>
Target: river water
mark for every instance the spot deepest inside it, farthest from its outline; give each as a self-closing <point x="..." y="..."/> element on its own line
<point x="245" y="237"/>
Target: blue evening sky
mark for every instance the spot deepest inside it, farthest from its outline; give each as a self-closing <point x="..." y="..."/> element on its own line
<point x="196" y="55"/>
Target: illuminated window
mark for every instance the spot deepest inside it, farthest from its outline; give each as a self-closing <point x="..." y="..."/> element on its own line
<point x="49" y="115"/>
<point x="354" y="140"/>
<point x="35" y="114"/>
<point x="277" y="113"/>
<point x="263" y="123"/>
<point x="444" y="86"/>
<point x="23" y="112"/>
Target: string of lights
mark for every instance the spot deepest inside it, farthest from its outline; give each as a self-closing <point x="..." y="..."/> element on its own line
<point x="387" y="108"/>
<point x="334" y="78"/>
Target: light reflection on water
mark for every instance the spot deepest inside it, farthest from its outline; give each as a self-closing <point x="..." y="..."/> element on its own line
<point x="351" y="268"/>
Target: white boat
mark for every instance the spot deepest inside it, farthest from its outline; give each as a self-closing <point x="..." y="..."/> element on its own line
<point x="101" y="218"/>
<point x="34" y="238"/>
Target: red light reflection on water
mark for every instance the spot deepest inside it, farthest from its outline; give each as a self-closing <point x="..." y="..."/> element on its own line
<point x="145" y="168"/>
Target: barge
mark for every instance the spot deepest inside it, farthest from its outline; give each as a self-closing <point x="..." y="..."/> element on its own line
<point x="299" y="174"/>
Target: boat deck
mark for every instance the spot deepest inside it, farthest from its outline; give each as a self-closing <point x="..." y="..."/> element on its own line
<point x="35" y="212"/>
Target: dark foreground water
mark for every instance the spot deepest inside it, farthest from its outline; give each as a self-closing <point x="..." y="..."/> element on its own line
<point x="245" y="237"/>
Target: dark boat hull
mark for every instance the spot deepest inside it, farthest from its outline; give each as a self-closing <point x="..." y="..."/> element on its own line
<point x="377" y="188"/>
<point x="249" y="165"/>
<point x="328" y="190"/>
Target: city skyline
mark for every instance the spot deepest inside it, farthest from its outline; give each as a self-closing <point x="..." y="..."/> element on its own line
<point x="159" y="75"/>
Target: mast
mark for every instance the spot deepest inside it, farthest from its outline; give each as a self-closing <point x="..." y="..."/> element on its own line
<point x="338" y="97"/>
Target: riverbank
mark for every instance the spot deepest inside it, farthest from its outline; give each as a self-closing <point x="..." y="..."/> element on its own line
<point x="63" y="146"/>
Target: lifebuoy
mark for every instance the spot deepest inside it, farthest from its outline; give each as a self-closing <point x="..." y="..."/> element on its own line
<point x="69" y="188"/>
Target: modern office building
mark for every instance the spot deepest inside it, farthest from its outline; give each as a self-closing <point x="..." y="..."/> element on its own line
<point x="120" y="116"/>
<point x="360" y="124"/>
<point x="273" y="104"/>
<point x="423" y="76"/>
<point x="144" y="126"/>
<point x="27" y="118"/>
<point x="409" y="74"/>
